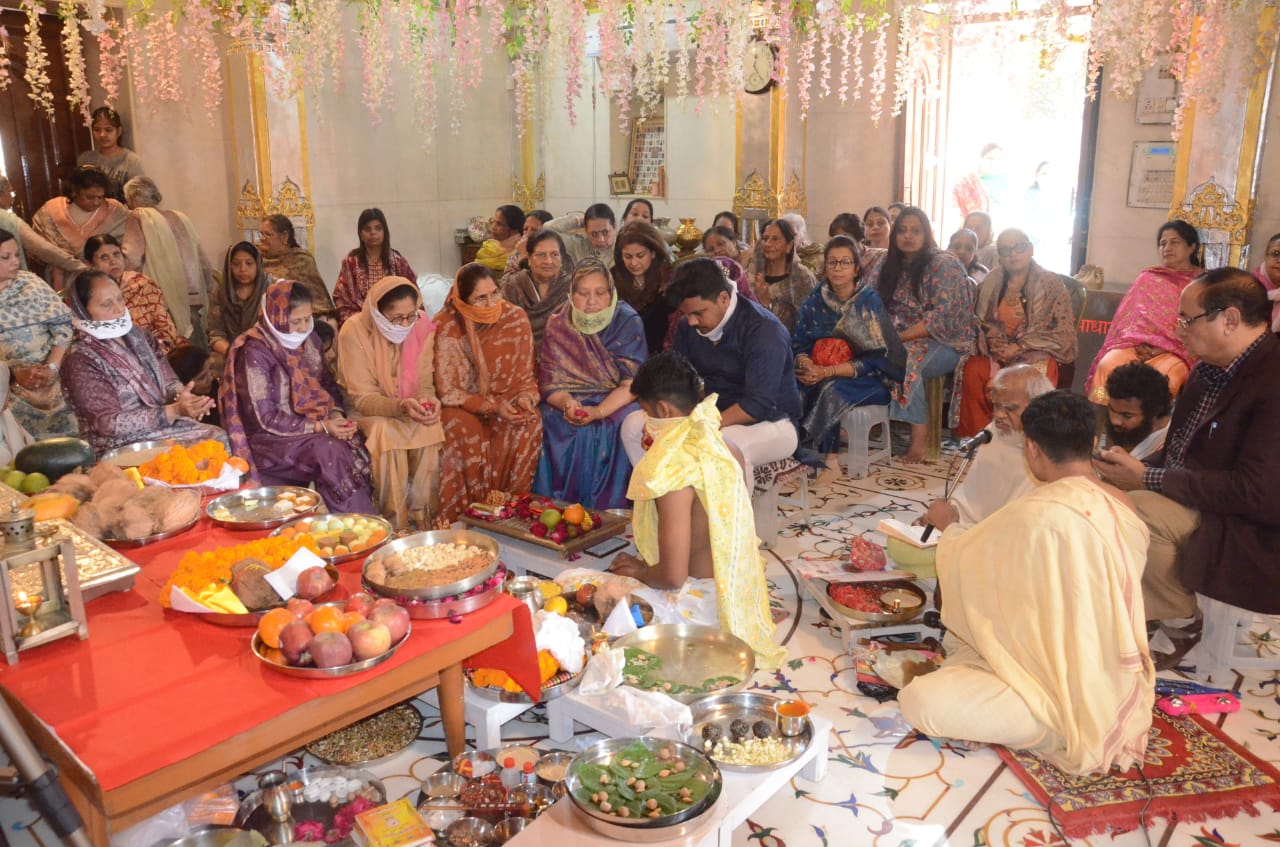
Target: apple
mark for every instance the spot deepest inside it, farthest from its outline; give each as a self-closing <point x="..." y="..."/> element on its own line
<point x="298" y="607"/>
<point x="294" y="639"/>
<point x="538" y="529"/>
<point x="360" y="603"/>
<point x="330" y="650"/>
<point x="313" y="582"/>
<point x="369" y="639"/>
<point x="384" y="601"/>
<point x="395" y="618"/>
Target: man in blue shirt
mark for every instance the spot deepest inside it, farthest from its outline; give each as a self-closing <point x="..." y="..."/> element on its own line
<point x="743" y="354"/>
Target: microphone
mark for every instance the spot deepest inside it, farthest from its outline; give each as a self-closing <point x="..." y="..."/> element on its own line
<point x="971" y="444"/>
<point x="967" y="447"/>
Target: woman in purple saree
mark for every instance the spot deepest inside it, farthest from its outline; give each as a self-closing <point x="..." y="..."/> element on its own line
<point x="283" y="409"/>
<point x="592" y="348"/>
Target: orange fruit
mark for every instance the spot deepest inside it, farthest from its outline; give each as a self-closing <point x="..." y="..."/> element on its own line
<point x="239" y="464"/>
<point x="349" y="618"/>
<point x="325" y="619"/>
<point x="574" y="514"/>
<point x="271" y="624"/>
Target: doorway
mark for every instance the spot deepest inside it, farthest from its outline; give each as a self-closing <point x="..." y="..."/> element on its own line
<point x="1006" y="138"/>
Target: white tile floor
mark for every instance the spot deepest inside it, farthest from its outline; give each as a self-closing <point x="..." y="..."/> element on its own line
<point x="886" y="786"/>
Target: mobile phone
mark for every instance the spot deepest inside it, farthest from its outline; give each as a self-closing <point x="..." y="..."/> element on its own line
<point x="607" y="547"/>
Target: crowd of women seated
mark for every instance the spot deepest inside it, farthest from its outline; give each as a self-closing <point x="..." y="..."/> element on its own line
<point x="522" y="379"/>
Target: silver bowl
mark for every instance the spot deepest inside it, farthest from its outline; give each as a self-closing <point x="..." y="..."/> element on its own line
<point x="428" y="539"/>
<point x="509" y="828"/>
<point x="692" y="654"/>
<point x="443" y="784"/>
<point x="907" y="610"/>
<point x="470" y="832"/>
<point x="473" y="764"/>
<point x="722" y="709"/>
<point x="128" y="455"/>
<point x="340" y="558"/>
<point x="553" y="767"/>
<point x="642" y="829"/>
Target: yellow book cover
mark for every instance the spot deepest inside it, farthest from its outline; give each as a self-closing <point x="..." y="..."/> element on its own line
<point x="395" y="824"/>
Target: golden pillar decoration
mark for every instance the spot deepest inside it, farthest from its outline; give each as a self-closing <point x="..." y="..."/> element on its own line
<point x="1212" y="210"/>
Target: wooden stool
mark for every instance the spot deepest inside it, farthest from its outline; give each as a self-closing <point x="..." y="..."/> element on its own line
<point x="934" y="393"/>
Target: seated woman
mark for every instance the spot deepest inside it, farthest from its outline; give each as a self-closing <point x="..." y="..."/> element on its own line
<point x="35" y="331"/>
<point x="284" y="258"/>
<point x="875" y="223"/>
<point x="386" y="358"/>
<point x="779" y="279"/>
<point x="505" y="228"/>
<point x="142" y="297"/>
<point x="847" y="351"/>
<point x="592" y="349"/>
<point x="283" y="410"/>
<point x="485" y="380"/>
<point x="931" y="301"/>
<point x="641" y="271"/>
<point x="12" y="436"/>
<point x="1024" y="317"/>
<point x="234" y="305"/>
<point x="964" y="246"/>
<point x="721" y="241"/>
<point x="117" y="379"/>
<point x="519" y="258"/>
<point x="638" y="209"/>
<point x="1268" y="273"/>
<point x="86" y="210"/>
<point x="1144" y="328"/>
<point x="367" y="264"/>
<point x="544" y="287"/>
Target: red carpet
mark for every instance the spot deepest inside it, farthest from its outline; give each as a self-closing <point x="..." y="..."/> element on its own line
<point x="1193" y="772"/>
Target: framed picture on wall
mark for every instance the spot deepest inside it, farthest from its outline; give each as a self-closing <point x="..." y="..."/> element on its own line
<point x="619" y="184"/>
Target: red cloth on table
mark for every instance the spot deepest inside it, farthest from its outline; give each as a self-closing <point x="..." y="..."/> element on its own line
<point x="150" y="686"/>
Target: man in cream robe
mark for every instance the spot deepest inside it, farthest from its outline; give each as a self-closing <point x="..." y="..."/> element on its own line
<point x="1046" y="643"/>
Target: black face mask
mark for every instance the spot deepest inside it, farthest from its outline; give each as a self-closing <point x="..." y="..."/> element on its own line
<point x="1128" y="439"/>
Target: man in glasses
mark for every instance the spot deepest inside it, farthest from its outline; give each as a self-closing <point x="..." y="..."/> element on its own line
<point x="1210" y="497"/>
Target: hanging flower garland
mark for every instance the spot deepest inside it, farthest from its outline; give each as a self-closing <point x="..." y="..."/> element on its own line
<point x="36" y="75"/>
<point x="73" y="55"/>
<point x="373" y="50"/>
<point x="111" y="60"/>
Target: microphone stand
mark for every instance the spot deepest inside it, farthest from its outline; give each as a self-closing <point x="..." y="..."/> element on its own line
<point x="953" y="477"/>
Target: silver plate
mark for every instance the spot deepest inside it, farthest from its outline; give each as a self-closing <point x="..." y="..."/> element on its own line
<point x="262" y="515"/>
<point x="232" y="619"/>
<point x="101" y="569"/>
<point x="692" y="654"/>
<point x="406" y="707"/>
<point x="721" y="709"/>
<point x="132" y="543"/>
<point x="137" y="454"/>
<point x="887" y="617"/>
<point x="354" y="554"/>
<point x="643" y="829"/>
<point x="326" y="673"/>
<point x="429" y="539"/>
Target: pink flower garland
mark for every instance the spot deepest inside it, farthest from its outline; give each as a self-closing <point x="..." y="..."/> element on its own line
<point x="111" y="60"/>
<point x="36" y="74"/>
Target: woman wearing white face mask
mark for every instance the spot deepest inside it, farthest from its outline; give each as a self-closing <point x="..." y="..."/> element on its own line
<point x="283" y="409"/>
<point x="386" y="359"/>
<point x="117" y="379"/>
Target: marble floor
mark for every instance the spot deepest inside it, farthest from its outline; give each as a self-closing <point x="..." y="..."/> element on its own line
<point x="886" y="785"/>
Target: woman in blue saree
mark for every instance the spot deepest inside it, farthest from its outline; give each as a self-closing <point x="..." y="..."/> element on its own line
<point x="847" y="352"/>
<point x="592" y="348"/>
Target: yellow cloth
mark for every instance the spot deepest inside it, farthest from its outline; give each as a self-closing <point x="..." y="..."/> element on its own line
<point x="1047" y="594"/>
<point x="493" y="256"/>
<point x="690" y="452"/>
<point x="220" y="599"/>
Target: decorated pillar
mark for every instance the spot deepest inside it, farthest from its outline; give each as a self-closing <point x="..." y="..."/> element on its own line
<point x="770" y="154"/>
<point x="1219" y="152"/>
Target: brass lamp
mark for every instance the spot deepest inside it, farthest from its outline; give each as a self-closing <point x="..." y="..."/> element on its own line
<point x="41" y="586"/>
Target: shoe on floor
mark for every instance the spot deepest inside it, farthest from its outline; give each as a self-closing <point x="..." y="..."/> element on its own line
<point x="1175" y="644"/>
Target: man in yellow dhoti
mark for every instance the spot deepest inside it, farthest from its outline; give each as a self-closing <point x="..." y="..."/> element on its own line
<point x="1046" y="643"/>
<point x="693" y="516"/>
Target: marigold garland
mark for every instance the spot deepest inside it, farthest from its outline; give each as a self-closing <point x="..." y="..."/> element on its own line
<point x="212" y="569"/>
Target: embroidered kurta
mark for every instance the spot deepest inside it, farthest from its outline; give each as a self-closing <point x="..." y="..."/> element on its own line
<point x="484" y="452"/>
<point x="520" y="289"/>
<point x="32" y="322"/>
<point x="354" y="282"/>
<point x="146" y="304"/>
<point x="693" y="454"/>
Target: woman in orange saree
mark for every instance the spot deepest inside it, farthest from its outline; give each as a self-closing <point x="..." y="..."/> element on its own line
<point x="484" y="377"/>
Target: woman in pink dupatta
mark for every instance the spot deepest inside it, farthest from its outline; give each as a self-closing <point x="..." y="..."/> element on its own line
<point x="68" y="222"/>
<point x="1145" y="323"/>
<point x="1268" y="273"/>
<point x="282" y="408"/>
<point x="386" y="359"/>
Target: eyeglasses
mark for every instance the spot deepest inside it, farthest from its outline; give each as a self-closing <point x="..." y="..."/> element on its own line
<point x="1020" y="247"/>
<point x="403" y="320"/>
<point x="1185" y="323"/>
<point x="841" y="263"/>
<point x="486" y="299"/>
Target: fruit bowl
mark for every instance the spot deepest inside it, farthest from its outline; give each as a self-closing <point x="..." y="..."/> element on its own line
<point x="368" y="532"/>
<point x="274" y="657"/>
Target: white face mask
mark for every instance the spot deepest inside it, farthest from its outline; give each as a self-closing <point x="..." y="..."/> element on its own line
<point x="290" y="340"/>
<point x="394" y="333"/>
<point x="716" y="334"/>
<point x="106" y="330"/>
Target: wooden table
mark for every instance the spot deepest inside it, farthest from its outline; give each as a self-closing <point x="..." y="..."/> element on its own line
<point x="156" y="706"/>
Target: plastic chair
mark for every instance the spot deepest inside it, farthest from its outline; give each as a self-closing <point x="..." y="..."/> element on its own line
<point x="861" y="452"/>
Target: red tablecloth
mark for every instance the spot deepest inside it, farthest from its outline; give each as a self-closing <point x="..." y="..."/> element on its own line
<point x="150" y="686"/>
